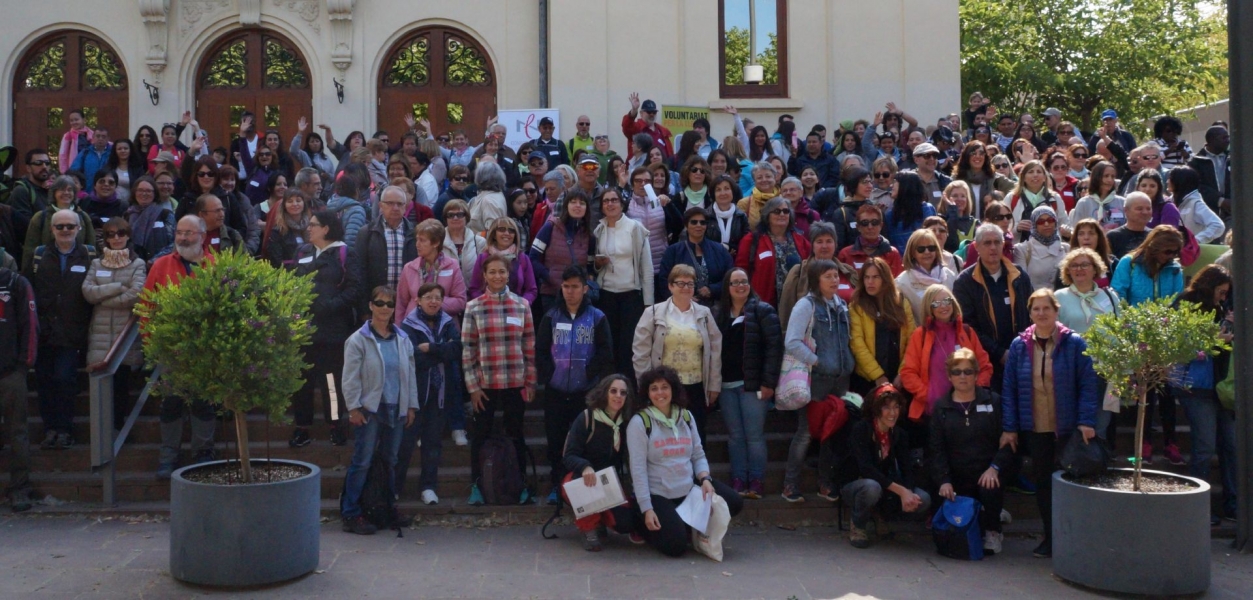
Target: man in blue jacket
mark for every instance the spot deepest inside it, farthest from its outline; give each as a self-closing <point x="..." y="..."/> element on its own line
<point x="93" y="157"/>
<point x="573" y="351"/>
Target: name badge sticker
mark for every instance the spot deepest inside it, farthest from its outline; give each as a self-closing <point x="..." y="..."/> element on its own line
<point x="306" y="260"/>
<point x="159" y="225"/>
<point x="78" y="269"/>
<point x="984" y="408"/>
<point x="765" y="255"/>
<point x="104" y="273"/>
<point x="515" y="321"/>
<point x="564" y="327"/>
<point x="215" y="241"/>
<point x="446" y="273"/>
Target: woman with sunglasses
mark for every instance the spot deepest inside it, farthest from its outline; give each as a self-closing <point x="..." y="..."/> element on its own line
<point x="114" y="282"/>
<point x="103" y="203"/>
<point x="1060" y="180"/>
<point x="460" y="244"/>
<point x="941" y="330"/>
<point x="707" y="257"/>
<point x="145" y="138"/>
<point x="882" y="320"/>
<point x="965" y="444"/>
<point x="62" y="195"/>
<point x="1040" y="254"/>
<point x="939" y="228"/>
<point x="773" y="249"/>
<point x="381" y="394"/>
<point x="624" y="272"/>
<point x="503" y="240"/>
<point x="459" y="188"/>
<point x="1077" y="157"/>
<point x="693" y="179"/>
<point x="126" y="164"/>
<point x="883" y="175"/>
<point x="923" y="268"/>
<point x="283" y="162"/>
<point x="869" y="243"/>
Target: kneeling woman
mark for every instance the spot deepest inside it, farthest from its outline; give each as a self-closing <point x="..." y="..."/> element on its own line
<point x="885" y="475"/>
<point x="667" y="459"/>
<point x="594" y="444"/>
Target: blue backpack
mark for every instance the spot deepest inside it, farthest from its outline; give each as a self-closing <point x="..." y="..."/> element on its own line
<point x="956" y="529"/>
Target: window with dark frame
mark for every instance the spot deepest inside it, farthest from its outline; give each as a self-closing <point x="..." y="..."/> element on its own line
<point x="740" y="23"/>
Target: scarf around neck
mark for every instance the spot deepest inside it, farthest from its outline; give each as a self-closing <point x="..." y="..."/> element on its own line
<point x="511" y="252"/>
<point x="142" y="219"/>
<point x="724" y="219"/>
<point x="1041" y="211"/>
<point x="1087" y="302"/>
<point x="115" y="259"/>
<point x="670" y="420"/>
<point x="615" y="424"/>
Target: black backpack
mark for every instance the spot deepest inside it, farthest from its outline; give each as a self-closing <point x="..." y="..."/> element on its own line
<point x="377" y="502"/>
<point x="502" y="478"/>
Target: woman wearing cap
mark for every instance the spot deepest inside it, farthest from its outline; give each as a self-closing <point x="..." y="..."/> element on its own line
<point x="885" y="484"/>
<point x="1041" y="253"/>
<point x="773" y="249"/>
<point x="707" y="257"/>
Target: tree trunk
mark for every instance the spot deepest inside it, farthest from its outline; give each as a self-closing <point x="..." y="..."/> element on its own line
<point x="1140" y="406"/>
<point x="241" y="440"/>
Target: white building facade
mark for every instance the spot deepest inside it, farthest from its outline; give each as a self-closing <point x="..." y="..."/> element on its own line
<point x="133" y="62"/>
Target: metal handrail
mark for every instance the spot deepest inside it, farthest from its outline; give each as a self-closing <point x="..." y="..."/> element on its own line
<point x="105" y="446"/>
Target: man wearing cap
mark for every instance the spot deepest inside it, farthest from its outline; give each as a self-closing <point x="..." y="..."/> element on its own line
<point x="589" y="181"/>
<point x="646" y="123"/>
<point x="552" y="148"/>
<point x="927" y="157"/>
<point x="582" y="139"/>
<point x="823" y="163"/>
<point x="538" y="165"/>
<point x="1052" y="118"/>
<point x="1213" y="164"/>
<point x="1110" y="129"/>
<point x="944" y="140"/>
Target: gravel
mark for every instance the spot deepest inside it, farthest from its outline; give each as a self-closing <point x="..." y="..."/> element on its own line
<point x="1151" y="484"/>
<point x="229" y="474"/>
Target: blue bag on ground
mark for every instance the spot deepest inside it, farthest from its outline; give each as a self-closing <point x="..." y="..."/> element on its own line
<point x="956" y="529"/>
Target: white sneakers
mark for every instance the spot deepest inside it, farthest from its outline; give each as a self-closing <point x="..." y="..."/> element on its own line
<point x="429" y="498"/>
<point x="992" y="541"/>
<point x="459" y="437"/>
<point x="1006" y="518"/>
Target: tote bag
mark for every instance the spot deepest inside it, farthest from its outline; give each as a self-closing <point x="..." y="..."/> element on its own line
<point x="793" y="392"/>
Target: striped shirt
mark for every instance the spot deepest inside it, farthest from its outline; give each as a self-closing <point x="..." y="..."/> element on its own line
<point x="395" y="251"/>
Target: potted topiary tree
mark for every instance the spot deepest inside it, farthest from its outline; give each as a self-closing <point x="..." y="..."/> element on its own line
<point x="231" y="334"/>
<point x="1133" y="530"/>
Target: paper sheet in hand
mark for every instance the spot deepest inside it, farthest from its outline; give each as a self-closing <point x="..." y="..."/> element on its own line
<point x="695" y="509"/>
<point x="606" y="494"/>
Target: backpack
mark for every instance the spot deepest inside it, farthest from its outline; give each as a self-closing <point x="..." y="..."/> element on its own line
<point x="503" y="478"/>
<point x="377" y="502"/>
<point x="955" y="528"/>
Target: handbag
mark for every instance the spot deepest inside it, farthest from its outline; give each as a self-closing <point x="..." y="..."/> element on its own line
<point x="710" y="542"/>
<point x="793" y="391"/>
<point x="1084" y="459"/>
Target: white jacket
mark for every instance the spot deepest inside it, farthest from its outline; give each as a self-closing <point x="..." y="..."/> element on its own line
<point x="1040" y="262"/>
<point x="1199" y="219"/>
<point x="913" y="285"/>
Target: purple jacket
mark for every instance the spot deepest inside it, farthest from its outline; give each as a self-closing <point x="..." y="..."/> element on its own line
<point x="521" y="279"/>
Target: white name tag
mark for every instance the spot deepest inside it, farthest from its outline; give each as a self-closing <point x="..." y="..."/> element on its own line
<point x="159" y="225"/>
<point x="765" y="255"/>
<point x="857" y="265"/>
<point x="984" y="408"/>
<point x="844" y="286"/>
<point x="104" y="273"/>
<point x="1007" y="301"/>
<point x="299" y="240"/>
<point x="936" y="193"/>
<point x="215" y="241"/>
<point x="78" y="269"/>
<point x="568" y="327"/>
<point x="104" y="219"/>
<point x="1115" y="214"/>
<point x="305" y="260"/>
<point x="738" y="320"/>
<point x="515" y="321"/>
<point x="254" y="183"/>
<point x="446" y="273"/>
<point x="553" y="153"/>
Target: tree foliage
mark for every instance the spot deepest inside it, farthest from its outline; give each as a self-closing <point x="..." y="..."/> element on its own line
<point x="737" y="56"/>
<point x="1139" y="57"/>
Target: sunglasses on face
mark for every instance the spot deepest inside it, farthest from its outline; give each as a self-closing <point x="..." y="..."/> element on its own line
<point x="39" y="163"/>
<point x="455" y="215"/>
<point x="695" y="223"/>
<point x="601" y="137"/>
<point x="882" y="175"/>
<point x="781" y="211"/>
<point x="927" y="249"/>
<point x="583" y="124"/>
<point x="110" y="235"/>
<point x="697" y="170"/>
<point x="590" y="167"/>
<point x="962" y="372"/>
<point x="204" y="174"/>
<point x="264" y="155"/>
<point x="530" y="191"/>
<point x="384" y="303"/>
<point x="1003" y="217"/>
<point x="1151" y="157"/>
<point x="1046" y="221"/>
<point x="641" y="180"/>
<point x="1080" y="155"/>
<point x="65" y="226"/>
<point x="1001" y="166"/>
<point x="461" y="179"/>
<point x="869" y="223"/>
<point x="942" y="302"/>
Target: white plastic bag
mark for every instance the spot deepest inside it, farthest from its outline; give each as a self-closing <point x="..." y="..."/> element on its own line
<point x="710" y="543"/>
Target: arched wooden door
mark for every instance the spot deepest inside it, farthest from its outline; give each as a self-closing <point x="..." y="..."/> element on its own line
<point x="439" y="74"/>
<point x="63" y="71"/>
<point x="253" y="70"/>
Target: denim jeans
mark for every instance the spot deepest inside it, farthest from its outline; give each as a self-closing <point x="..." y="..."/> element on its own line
<point x="745" y="416"/>
<point x="56" y="378"/>
<point x="1213" y="430"/>
<point x="381" y="433"/>
<point x="866" y="495"/>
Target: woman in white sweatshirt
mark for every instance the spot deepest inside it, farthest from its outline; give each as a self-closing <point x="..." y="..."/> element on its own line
<point x="1183" y="183"/>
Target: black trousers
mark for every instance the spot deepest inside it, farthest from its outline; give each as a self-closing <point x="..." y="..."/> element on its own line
<point x="672" y="538"/>
<point x="1042" y="448"/>
<point x="695" y="393"/>
<point x="992" y="500"/>
<point x="560" y="411"/>
<point x="623" y="311"/>
<point x="510" y="401"/>
<point x="325" y="358"/>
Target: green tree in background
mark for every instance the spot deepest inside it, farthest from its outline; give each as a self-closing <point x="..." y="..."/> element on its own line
<point x="737" y="57"/>
<point x="1139" y="57"/>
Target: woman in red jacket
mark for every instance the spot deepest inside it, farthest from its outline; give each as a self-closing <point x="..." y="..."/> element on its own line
<point x="772" y="250"/>
<point x="870" y="243"/>
<point x="942" y="332"/>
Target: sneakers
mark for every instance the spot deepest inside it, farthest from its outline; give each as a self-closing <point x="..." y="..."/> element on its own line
<point x="165" y="470"/>
<point x="828" y="494"/>
<point x="429" y="498"/>
<point x="755" y="490"/>
<point x="1173" y="455"/>
<point x="204" y="456"/>
<point x="554" y="497"/>
<point x="636" y="538"/>
<point x="1146" y="450"/>
<point x="992" y="541"/>
<point x="476" y="497"/>
<point x="50" y="440"/>
<point x="1006" y="518"/>
<point x="338" y="437"/>
<point x="591" y="541"/>
<point x="20" y="501"/>
<point x="526" y="497"/>
<point x="359" y="526"/>
<point x="1044" y="550"/>
<point x="857" y="537"/>
<point x="791" y="495"/>
<point x="738" y="486"/>
<point x="459" y="437"/>
<point x="64" y="441"/>
<point x="299" y="438"/>
<point x="1022" y="486"/>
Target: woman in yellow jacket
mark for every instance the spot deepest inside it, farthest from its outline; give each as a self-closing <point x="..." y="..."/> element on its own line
<point x="881" y="321"/>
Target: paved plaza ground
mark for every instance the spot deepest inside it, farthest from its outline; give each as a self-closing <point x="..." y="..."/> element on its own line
<point x="127" y="557"/>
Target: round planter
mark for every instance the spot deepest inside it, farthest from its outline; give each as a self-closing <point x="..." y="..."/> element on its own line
<point x="242" y="535"/>
<point x="1130" y="542"/>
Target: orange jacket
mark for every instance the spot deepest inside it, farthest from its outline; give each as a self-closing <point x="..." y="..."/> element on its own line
<point x="915" y="371"/>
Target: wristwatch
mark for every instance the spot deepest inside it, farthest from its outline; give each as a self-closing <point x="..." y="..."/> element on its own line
<point x="706" y="478"/>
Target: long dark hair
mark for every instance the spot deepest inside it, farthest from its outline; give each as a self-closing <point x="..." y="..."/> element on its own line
<point x="887" y="307"/>
<point x="585" y="223"/>
<point x="907" y="208"/>
<point x="1183" y="180"/>
<point x="1152" y="175"/>
<point x="323" y="152"/>
<point x="722" y="310"/>
<point x="847" y="134"/>
<point x="1201" y="289"/>
<point x="962" y="169"/>
<point x="758" y="153"/>
<point x="134" y="163"/>
<point x="152" y="136"/>
<point x="687" y="148"/>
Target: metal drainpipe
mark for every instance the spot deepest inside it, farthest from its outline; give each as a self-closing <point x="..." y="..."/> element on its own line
<point x="543" y="53"/>
<point x="1239" y="30"/>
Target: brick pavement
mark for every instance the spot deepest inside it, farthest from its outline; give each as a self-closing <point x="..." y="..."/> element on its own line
<point x="45" y="556"/>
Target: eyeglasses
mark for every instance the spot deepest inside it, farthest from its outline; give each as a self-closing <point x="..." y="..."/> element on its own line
<point x="109" y="235"/>
<point x="869" y="223"/>
<point x="601" y="137"/>
<point x="39" y="163"/>
<point x="583" y="124"/>
<point x="1084" y="266"/>
<point x="941" y="302"/>
<point x="641" y="180"/>
<point x="204" y="174"/>
<point x="431" y="298"/>
<point x="1151" y="157"/>
<point x="65" y="226"/>
<point x="1066" y="132"/>
<point x="315" y="224"/>
<point x="1000" y="217"/>
<point x="455" y="215"/>
<point x="739" y="284"/>
<point x="1060" y="168"/>
<point x="695" y="223"/>
<point x="884" y="175"/>
<point x="697" y="170"/>
<point x="461" y="179"/>
<point x="926" y="249"/>
<point x="264" y="154"/>
<point x="962" y="372"/>
<point x="684" y="285"/>
<point x="443" y="139"/>
<point x="383" y="303"/>
<point x="504" y="230"/>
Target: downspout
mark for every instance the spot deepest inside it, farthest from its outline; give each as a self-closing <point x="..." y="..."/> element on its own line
<point x="543" y="53"/>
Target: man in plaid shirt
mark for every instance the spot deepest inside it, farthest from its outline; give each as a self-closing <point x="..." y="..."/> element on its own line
<point x="386" y="243"/>
<point x="498" y="356"/>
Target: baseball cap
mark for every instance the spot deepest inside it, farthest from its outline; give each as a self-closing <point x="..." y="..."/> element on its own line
<point x="943" y="134"/>
<point x="1051" y="112"/>
<point x="1109" y="113"/>
<point x="545" y="121"/>
<point x="534" y="155"/>
<point x="924" y="149"/>
<point x="649" y="106"/>
<point x="165" y="156"/>
<point x="588" y="159"/>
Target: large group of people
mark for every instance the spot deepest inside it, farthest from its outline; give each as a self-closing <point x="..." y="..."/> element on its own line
<point x="937" y="281"/>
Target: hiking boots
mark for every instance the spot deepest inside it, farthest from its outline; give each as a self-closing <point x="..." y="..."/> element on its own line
<point x="857" y="537"/>
<point x="359" y="526"/>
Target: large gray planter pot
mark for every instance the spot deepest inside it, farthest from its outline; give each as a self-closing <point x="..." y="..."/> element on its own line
<point x="1130" y="542"/>
<point x="242" y="535"/>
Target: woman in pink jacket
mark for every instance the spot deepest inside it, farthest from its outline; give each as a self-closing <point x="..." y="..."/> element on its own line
<point x="431" y="266"/>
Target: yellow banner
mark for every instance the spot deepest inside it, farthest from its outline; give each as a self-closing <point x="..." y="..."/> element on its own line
<point x="678" y="119"/>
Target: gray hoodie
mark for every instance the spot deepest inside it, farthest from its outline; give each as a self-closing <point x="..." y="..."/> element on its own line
<point x="666" y="462"/>
<point x="364" y="371"/>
